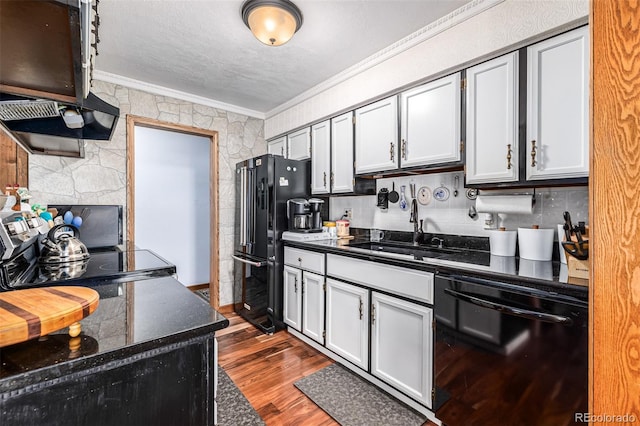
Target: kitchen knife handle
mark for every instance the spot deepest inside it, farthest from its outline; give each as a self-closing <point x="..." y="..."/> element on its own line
<point x="533" y="153"/>
<point x="391" y="156"/>
<point x="509" y="156"/>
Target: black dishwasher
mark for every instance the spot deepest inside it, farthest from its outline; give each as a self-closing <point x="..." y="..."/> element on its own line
<point x="508" y="354"/>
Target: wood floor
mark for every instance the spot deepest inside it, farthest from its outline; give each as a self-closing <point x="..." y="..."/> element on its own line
<point x="264" y="369"/>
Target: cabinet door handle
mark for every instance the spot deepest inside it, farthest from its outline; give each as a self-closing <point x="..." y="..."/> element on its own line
<point x="302" y="287"/>
<point x="324" y="179"/>
<point x="282" y="151"/>
<point x="295" y="285"/>
<point x="332" y="179"/>
<point x="360" y="308"/>
<point x="509" y="156"/>
<point x="533" y="153"/>
<point x="403" y="148"/>
<point x="373" y="314"/>
<point x="391" y="153"/>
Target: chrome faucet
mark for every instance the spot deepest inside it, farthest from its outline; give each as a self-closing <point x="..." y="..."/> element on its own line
<point x="417" y="232"/>
<point x="436" y="240"/>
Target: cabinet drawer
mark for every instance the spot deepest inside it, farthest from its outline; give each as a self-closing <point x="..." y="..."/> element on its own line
<point x="303" y="259"/>
<point x="417" y="285"/>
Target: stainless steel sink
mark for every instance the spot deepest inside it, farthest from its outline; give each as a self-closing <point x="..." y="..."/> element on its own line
<point x="405" y="248"/>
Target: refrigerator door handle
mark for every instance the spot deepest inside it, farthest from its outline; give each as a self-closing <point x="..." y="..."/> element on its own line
<point x="249" y="262"/>
<point x="243" y="206"/>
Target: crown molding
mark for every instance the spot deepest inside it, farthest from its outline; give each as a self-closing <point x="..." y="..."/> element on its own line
<point x="459" y="15"/>
<point x="177" y="94"/>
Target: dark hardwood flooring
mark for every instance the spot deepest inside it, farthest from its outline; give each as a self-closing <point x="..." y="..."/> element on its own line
<point x="265" y="367"/>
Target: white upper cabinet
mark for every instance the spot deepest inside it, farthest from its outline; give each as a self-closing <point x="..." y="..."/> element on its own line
<point x="492" y="121"/>
<point x="278" y="146"/>
<point x="558" y="107"/>
<point x="376" y="142"/>
<point x="342" y="153"/>
<point x="321" y="158"/>
<point x="299" y="144"/>
<point x="430" y="124"/>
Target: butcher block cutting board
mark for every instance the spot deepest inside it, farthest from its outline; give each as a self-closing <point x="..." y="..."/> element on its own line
<point x="27" y="314"/>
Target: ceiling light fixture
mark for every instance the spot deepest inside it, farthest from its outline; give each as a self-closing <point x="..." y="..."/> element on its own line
<point x="273" y="22"/>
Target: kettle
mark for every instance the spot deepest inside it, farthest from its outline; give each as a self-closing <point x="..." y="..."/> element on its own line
<point x="63" y="248"/>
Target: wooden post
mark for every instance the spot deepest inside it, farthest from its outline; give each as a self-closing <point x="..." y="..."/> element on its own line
<point x="614" y="210"/>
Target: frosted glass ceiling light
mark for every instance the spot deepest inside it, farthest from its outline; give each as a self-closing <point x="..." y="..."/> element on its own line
<point x="273" y="22"/>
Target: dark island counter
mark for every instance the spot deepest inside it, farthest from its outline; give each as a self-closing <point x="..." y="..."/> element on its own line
<point x="147" y="355"/>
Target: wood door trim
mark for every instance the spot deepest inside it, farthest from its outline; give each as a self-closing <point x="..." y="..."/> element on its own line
<point x="614" y="296"/>
<point x="132" y="122"/>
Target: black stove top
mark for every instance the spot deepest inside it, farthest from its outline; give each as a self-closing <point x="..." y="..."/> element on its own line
<point x="105" y="266"/>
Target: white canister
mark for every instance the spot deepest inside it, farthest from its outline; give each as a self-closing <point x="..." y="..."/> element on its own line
<point x="535" y="244"/>
<point x="502" y="243"/>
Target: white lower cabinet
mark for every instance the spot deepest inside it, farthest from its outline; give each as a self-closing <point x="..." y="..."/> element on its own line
<point x="360" y="313"/>
<point x="304" y="302"/>
<point x="401" y="345"/>
<point x="348" y="322"/>
<point x="292" y="297"/>
<point x="313" y="306"/>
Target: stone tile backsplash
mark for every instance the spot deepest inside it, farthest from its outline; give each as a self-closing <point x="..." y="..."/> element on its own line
<point x="451" y="216"/>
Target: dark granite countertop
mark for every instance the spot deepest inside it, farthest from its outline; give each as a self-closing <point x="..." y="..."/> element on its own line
<point x="470" y="260"/>
<point x="132" y="317"/>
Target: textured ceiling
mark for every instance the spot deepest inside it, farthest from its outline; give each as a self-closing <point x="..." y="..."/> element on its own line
<point x="202" y="47"/>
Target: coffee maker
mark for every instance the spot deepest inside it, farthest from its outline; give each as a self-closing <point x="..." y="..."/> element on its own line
<point x="304" y="215"/>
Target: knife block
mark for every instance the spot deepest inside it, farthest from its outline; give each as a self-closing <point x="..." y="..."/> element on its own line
<point x="579" y="268"/>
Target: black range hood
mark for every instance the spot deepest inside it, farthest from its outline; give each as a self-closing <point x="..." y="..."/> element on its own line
<point x="45" y="65"/>
<point x="40" y="126"/>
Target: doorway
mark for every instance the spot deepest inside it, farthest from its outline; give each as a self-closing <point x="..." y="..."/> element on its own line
<point x="172" y="198"/>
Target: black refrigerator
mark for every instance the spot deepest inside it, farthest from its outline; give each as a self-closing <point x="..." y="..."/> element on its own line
<point x="263" y="186"/>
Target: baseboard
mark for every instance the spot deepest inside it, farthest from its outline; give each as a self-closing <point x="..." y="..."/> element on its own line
<point x="374" y="380"/>
<point x="226" y="309"/>
<point x="195" y="287"/>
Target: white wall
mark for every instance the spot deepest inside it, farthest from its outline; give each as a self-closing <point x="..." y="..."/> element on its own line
<point x="451" y="216"/>
<point x="505" y="24"/>
<point x="172" y="171"/>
